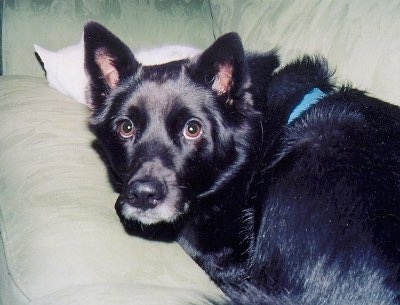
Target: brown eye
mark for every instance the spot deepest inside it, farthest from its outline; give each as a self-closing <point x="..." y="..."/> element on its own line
<point x="193" y="130"/>
<point x="126" y="129"/>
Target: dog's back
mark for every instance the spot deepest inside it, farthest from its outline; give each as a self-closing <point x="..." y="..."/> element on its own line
<point x="329" y="226"/>
<point x="279" y="206"/>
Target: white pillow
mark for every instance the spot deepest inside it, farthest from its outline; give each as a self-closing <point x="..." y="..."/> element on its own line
<point x="163" y="54"/>
<point x="65" y="68"/>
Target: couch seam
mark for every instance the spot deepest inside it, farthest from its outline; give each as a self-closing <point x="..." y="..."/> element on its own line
<point x="3" y="235"/>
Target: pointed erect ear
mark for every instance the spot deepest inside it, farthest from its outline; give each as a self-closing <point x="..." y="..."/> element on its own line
<point x="223" y="67"/>
<point x="108" y="61"/>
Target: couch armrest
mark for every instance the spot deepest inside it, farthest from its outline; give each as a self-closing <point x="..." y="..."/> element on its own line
<point x="59" y="231"/>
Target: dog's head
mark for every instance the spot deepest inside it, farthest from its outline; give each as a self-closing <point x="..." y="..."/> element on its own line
<point x="174" y="133"/>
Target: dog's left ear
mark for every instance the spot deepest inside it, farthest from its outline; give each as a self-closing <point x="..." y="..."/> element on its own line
<point x="108" y="62"/>
<point x="223" y="67"/>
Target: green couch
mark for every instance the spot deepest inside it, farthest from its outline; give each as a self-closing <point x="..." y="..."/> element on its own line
<point x="61" y="242"/>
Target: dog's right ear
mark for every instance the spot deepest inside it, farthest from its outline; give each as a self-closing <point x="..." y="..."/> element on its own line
<point x="223" y="68"/>
<point x="108" y="62"/>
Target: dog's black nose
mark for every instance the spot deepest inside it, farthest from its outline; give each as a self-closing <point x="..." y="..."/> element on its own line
<point x="145" y="194"/>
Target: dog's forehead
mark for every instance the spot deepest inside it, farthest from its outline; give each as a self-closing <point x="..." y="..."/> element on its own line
<point x="162" y="96"/>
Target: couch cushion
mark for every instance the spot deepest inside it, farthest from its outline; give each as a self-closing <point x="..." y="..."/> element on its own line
<point x="122" y="293"/>
<point x="59" y="231"/>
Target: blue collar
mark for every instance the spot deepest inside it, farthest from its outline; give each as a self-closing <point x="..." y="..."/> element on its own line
<point x="311" y="98"/>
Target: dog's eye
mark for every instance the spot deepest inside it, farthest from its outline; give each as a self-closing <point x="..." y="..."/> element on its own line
<point x="193" y="130"/>
<point x="126" y="129"/>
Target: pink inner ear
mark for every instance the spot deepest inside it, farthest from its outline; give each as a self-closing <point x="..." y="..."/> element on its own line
<point x="108" y="71"/>
<point x="223" y="80"/>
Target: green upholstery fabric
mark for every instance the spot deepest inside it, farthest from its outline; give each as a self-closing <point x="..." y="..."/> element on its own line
<point x="56" y="24"/>
<point x="360" y="38"/>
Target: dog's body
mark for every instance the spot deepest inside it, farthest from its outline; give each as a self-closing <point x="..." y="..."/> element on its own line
<point x="277" y="212"/>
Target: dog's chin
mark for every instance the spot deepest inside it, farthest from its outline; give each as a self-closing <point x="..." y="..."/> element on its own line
<point x="164" y="212"/>
<point x="153" y="224"/>
<point x="150" y="216"/>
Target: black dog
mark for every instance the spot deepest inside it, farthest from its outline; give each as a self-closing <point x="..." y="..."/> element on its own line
<point x="285" y="189"/>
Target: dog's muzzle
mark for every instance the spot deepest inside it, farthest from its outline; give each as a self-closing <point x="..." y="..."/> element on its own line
<point x="151" y="196"/>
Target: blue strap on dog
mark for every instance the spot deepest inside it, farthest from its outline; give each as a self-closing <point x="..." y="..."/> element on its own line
<point x="311" y="98"/>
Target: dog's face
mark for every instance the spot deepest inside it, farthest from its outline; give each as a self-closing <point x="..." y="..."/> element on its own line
<point x="173" y="133"/>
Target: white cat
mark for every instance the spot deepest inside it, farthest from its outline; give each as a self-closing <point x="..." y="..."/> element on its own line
<point x="65" y="68"/>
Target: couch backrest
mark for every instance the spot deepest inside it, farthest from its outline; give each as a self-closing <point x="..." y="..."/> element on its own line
<point x="55" y="24"/>
<point x="360" y="38"/>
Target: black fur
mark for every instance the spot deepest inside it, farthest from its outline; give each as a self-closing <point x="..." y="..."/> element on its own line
<point x="306" y="212"/>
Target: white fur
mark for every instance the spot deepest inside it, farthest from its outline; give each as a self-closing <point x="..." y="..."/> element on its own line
<point x="65" y="68"/>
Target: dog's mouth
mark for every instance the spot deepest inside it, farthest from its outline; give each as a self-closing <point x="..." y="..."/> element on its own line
<point x="159" y="223"/>
<point x="161" y="212"/>
<point x="151" y="195"/>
